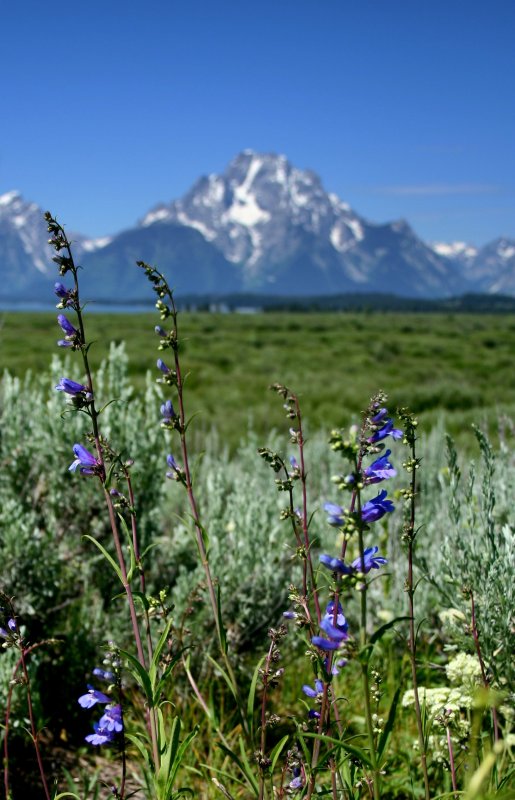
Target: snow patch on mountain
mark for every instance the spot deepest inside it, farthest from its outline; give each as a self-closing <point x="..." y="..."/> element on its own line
<point x="454" y="249"/>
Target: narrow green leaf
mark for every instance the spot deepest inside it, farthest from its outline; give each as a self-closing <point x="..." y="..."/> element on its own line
<point x="249" y="776"/>
<point x="357" y="752"/>
<point x="276" y="752"/>
<point x="221" y="628"/>
<point x="383" y="739"/>
<point x="107" y="556"/>
<point x="141" y="675"/>
<point x="379" y="633"/>
<point x="251" y="697"/>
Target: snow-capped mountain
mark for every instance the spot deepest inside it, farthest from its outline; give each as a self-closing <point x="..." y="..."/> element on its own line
<point x="490" y="269"/>
<point x="25" y="257"/>
<point x="262" y="225"/>
<point x="287" y="234"/>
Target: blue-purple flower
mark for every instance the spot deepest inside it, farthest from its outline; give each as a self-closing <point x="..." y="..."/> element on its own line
<point x="65" y="295"/>
<point x="379" y="416"/>
<point x="111" y="720"/>
<point x="71" y="334"/>
<point x="386" y="430"/>
<point x="335" y="514"/>
<point x="376" y="508"/>
<point x="101" y="735"/>
<point x="85" y="461"/>
<point x="92" y="697"/>
<point x="168" y="411"/>
<point x="380" y="469"/>
<point x="335" y="626"/>
<point x="335" y="564"/>
<point x="71" y="387"/>
<point x="162" y="366"/>
<point x="317" y="691"/>
<point x="9" y="634"/>
<point x="297" y="782"/>
<point x="105" y="674"/>
<point x="174" y="467"/>
<point x="370" y="561"/>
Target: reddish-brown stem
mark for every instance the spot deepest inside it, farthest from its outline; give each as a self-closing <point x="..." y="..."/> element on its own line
<point x="451" y="759"/>
<point x="486" y="682"/>
<point x="305" y="531"/>
<point x="137" y="556"/>
<point x="34" y="732"/>
<point x="410" y="588"/>
<point x="266" y="673"/>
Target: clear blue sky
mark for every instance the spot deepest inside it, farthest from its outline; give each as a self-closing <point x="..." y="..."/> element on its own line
<point x="404" y="107"/>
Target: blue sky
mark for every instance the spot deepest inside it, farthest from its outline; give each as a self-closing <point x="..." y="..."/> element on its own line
<point x="405" y="108"/>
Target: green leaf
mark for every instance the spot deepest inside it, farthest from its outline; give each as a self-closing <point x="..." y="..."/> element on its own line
<point x="379" y="633"/>
<point x="276" y="752"/>
<point x="357" y="752"/>
<point x="251" y="779"/>
<point x="225" y="676"/>
<point x="107" y="556"/>
<point x="383" y="739"/>
<point x="251" y="697"/>
<point x="141" y="675"/>
<point x="221" y="628"/>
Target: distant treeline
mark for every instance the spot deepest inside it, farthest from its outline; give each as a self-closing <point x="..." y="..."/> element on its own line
<point x="468" y="303"/>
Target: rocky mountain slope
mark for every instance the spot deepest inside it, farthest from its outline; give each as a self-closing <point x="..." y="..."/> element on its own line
<point x="261" y="226"/>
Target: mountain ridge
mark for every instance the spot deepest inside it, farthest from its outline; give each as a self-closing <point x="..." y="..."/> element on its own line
<point x="264" y="226"/>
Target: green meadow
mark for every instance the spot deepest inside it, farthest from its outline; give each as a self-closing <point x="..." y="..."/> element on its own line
<point x="459" y="364"/>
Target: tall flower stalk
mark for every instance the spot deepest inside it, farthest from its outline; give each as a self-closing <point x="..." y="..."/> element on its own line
<point x="172" y="377"/>
<point x="354" y="524"/>
<point x="12" y="637"/>
<point x="83" y="399"/>
<point x="409" y="535"/>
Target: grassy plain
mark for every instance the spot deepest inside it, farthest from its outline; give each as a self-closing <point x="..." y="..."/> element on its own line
<point x="460" y="364"/>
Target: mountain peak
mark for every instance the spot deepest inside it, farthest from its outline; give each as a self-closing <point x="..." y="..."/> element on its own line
<point x="10" y="197"/>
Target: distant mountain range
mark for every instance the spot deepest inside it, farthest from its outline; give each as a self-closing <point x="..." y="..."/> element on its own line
<point x="262" y="227"/>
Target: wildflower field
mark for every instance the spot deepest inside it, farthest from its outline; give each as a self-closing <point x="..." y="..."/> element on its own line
<point x="213" y="590"/>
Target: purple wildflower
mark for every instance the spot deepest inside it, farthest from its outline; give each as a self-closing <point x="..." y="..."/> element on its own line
<point x="101" y="735"/>
<point x="379" y="416"/>
<point x="386" y="430"/>
<point x="376" y="508"/>
<point x="86" y="462"/>
<point x="172" y="463"/>
<point x="92" y="697"/>
<point x="336" y="628"/>
<point x="370" y="561"/>
<point x="297" y="782"/>
<point x="168" y="411"/>
<point x="105" y="674"/>
<point x="380" y="469"/>
<point x="61" y="290"/>
<point x="316" y="692"/>
<point x="66" y="325"/>
<point x="335" y="514"/>
<point x="160" y="332"/>
<point x="71" y="387"/>
<point x="111" y="720"/>
<point x="162" y="366"/>
<point x="324" y="644"/>
<point x="335" y="564"/>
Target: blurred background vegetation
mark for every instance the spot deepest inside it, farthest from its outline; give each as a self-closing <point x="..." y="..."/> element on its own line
<point x="458" y="364"/>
